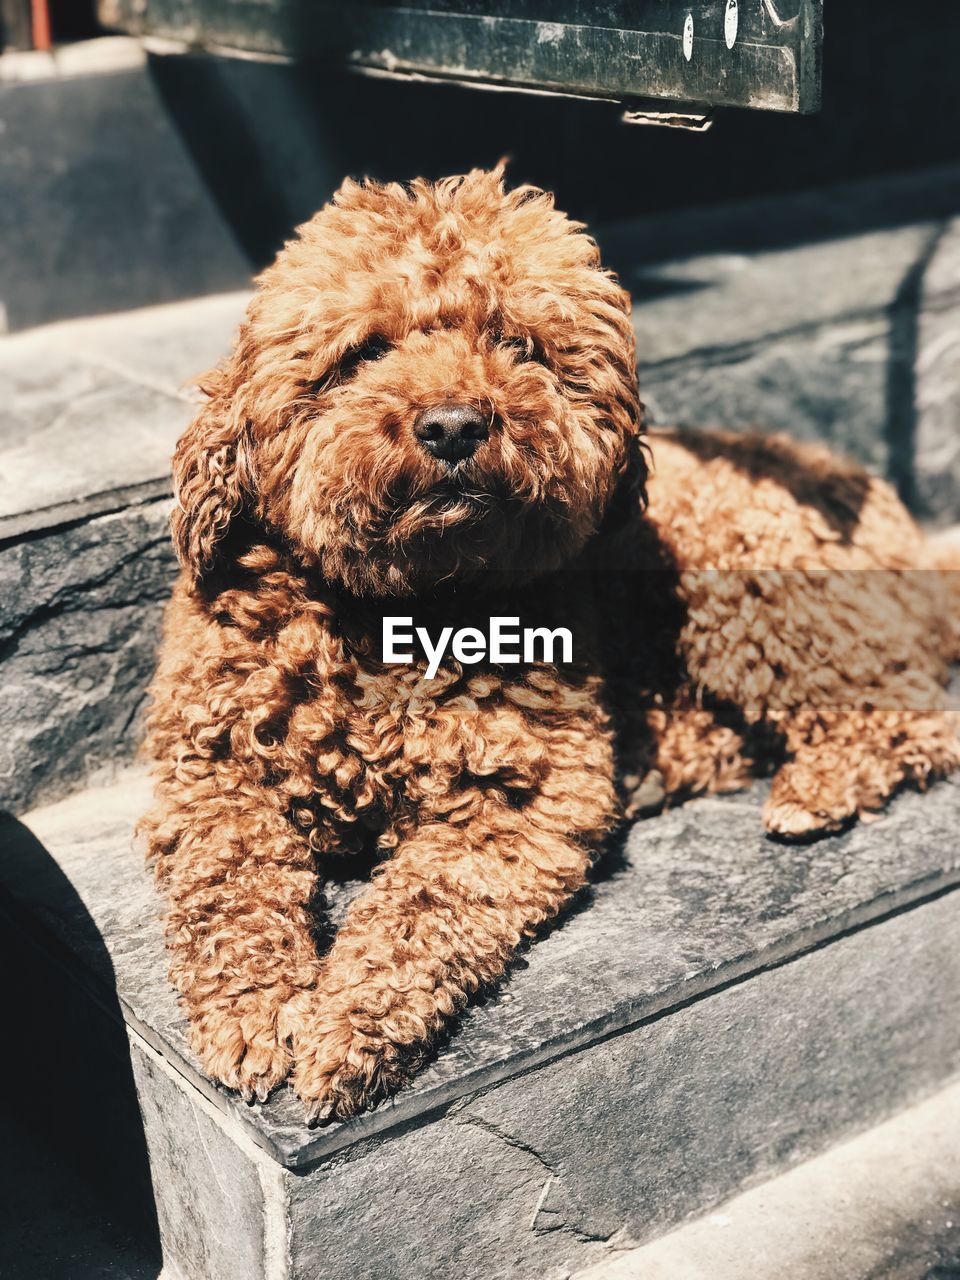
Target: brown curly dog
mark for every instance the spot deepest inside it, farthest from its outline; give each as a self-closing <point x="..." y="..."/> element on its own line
<point x="432" y="412"/>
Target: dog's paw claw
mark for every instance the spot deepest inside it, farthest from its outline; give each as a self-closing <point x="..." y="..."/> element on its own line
<point x="319" y="1114"/>
<point x="255" y="1090"/>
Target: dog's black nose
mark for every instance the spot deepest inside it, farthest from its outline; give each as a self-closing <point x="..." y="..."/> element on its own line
<point x="451" y="432"/>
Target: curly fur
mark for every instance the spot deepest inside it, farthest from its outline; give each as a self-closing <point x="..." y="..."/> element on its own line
<point x="765" y="610"/>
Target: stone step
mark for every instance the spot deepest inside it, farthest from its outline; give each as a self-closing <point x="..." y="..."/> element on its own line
<point x="90" y="411"/>
<point x="714" y="1010"/>
<point x="847" y="337"/>
<point x="841" y="1216"/>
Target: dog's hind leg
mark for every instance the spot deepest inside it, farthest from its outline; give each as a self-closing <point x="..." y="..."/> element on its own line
<point x="846" y="763"/>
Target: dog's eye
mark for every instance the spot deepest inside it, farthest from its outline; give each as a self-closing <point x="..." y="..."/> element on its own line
<point x="374" y="348"/>
<point x="525" y="348"/>
<point x="371" y="349"/>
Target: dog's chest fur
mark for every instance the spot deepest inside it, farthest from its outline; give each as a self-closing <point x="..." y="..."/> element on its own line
<point x="360" y="752"/>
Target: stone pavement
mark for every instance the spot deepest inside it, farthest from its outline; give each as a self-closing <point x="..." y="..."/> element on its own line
<point x="104" y="207"/>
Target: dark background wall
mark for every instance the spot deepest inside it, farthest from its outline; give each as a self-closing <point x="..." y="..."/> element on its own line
<point x="128" y="184"/>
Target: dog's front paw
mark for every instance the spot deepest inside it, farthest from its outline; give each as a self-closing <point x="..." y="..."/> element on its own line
<point x="344" y="1064"/>
<point x="802" y="807"/>
<point x="244" y="1045"/>
<point x="793" y="822"/>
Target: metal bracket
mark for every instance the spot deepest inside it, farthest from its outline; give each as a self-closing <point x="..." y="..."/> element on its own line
<point x="672" y="115"/>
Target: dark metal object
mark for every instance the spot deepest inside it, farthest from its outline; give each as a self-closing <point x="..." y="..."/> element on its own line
<point x="763" y="54"/>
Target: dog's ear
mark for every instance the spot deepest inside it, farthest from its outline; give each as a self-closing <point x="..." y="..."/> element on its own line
<point x="629" y="498"/>
<point x="210" y="477"/>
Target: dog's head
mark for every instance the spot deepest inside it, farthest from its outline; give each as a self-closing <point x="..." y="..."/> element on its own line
<point x="430" y="381"/>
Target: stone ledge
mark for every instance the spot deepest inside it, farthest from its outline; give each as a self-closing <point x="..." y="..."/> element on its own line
<point x="708" y="1016"/>
<point x="850" y="341"/>
<point x="80" y="610"/>
<point x="92" y="408"/>
<point x="702" y="899"/>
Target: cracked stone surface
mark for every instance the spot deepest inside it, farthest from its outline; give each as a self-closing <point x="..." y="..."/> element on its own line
<point x="80" y="613"/>
<point x="709" y="1015"/>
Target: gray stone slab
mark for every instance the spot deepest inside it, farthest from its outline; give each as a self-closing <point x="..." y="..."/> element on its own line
<point x="80" y="612"/>
<point x="708" y="302"/>
<point x="868" y="1224"/>
<point x="830" y="384"/>
<point x="619" y="1142"/>
<point x="90" y="410"/>
<point x="850" y="340"/>
<point x="165" y="347"/>
<point x="702" y="899"/>
<point x="211" y="1195"/>
<point x="720" y="1091"/>
<point x="73" y="432"/>
<point x="804" y="215"/>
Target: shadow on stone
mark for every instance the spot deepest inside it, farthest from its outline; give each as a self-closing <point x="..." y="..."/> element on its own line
<point x="75" y="1184"/>
<point x="259" y="137"/>
<point x="901" y="421"/>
